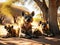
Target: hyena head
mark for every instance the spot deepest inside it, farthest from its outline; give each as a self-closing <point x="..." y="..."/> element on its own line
<point x="44" y="25"/>
<point x="28" y="17"/>
<point x="9" y="28"/>
<point x="45" y="28"/>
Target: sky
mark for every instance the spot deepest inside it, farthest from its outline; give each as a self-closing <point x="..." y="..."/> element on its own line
<point x="2" y="0"/>
<point x="29" y="6"/>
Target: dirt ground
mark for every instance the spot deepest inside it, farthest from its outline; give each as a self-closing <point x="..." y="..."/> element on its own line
<point x="22" y="41"/>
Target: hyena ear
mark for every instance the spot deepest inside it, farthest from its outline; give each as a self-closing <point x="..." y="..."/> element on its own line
<point x="40" y="22"/>
<point x="5" y="27"/>
<point x="11" y="26"/>
<point x="32" y="13"/>
<point x="47" y="22"/>
<point x="23" y="13"/>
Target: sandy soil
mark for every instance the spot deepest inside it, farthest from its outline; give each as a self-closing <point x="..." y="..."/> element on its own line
<point x="22" y="41"/>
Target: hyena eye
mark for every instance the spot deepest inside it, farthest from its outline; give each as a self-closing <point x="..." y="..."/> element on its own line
<point x="30" y="17"/>
<point x="26" y="17"/>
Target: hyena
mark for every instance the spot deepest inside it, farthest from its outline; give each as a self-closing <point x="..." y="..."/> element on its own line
<point x="45" y="28"/>
<point x="26" y="27"/>
<point x="11" y="31"/>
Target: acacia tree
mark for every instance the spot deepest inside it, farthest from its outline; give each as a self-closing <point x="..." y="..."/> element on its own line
<point x="51" y="13"/>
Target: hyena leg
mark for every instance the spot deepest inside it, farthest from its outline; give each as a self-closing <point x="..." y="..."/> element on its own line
<point x="29" y="34"/>
<point x="21" y="34"/>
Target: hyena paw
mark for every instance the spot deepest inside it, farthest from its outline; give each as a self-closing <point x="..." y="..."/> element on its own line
<point x="22" y="36"/>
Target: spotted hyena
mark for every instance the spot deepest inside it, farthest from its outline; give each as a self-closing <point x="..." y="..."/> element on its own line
<point x="45" y="28"/>
<point x="12" y="32"/>
<point x="26" y="27"/>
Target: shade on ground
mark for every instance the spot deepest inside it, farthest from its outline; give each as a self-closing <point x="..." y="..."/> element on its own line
<point x="22" y="41"/>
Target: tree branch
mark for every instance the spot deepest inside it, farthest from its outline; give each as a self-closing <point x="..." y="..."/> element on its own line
<point x="39" y="3"/>
<point x="58" y="3"/>
<point x="45" y="3"/>
<point x="42" y="6"/>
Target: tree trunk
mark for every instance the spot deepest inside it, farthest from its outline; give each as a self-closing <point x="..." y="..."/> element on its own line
<point x="53" y="17"/>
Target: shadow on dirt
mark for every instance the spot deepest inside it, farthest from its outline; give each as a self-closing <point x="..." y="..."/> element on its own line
<point x="42" y="40"/>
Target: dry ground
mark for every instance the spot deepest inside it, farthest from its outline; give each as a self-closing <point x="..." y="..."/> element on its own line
<point x="22" y="41"/>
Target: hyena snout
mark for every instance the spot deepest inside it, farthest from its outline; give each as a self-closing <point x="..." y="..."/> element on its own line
<point x="28" y="19"/>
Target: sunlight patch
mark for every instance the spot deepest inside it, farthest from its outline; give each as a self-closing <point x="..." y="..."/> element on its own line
<point x="2" y="0"/>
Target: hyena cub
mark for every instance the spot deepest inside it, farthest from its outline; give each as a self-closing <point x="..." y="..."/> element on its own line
<point x="26" y="27"/>
<point x="11" y="31"/>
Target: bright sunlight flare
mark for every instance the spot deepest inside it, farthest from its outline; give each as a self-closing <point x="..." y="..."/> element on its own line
<point x="2" y="0"/>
